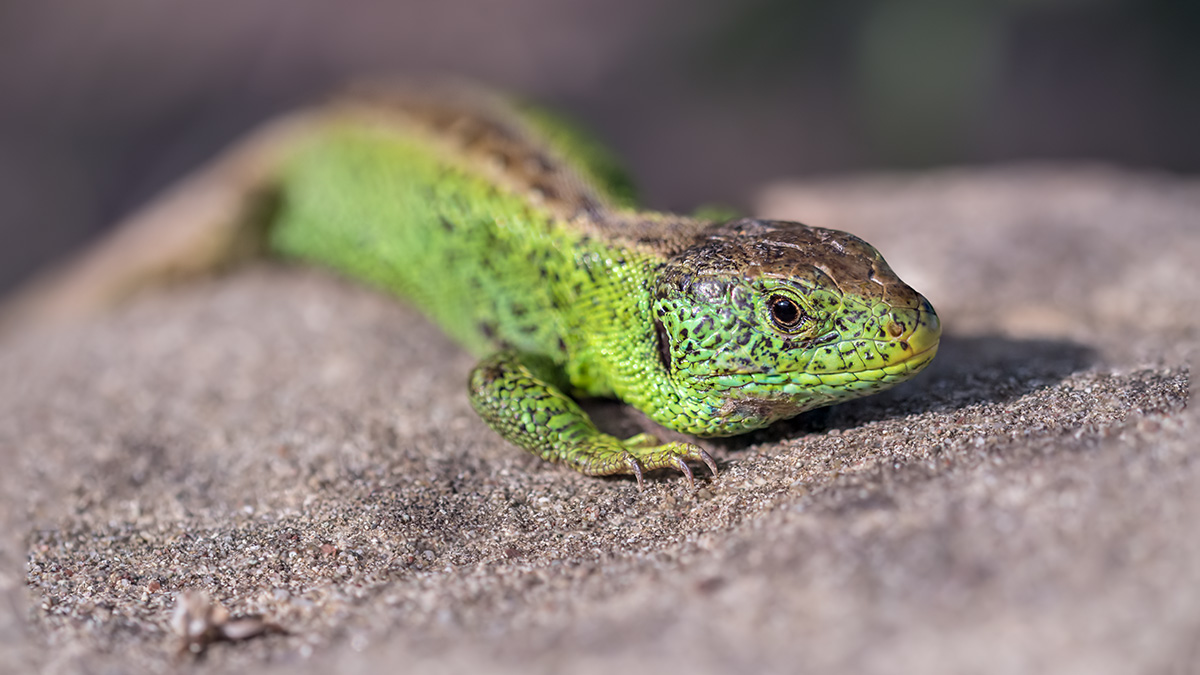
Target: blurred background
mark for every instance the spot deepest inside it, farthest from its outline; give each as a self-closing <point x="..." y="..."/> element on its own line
<point x="104" y="103"/>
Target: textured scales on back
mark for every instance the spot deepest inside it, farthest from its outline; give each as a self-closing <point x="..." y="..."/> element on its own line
<point x="518" y="235"/>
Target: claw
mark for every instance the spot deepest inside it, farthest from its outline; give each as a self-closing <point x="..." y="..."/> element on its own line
<point x="687" y="471"/>
<point x="708" y="461"/>
<point x="636" y="470"/>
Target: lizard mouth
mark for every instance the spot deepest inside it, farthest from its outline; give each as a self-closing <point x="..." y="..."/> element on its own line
<point x="921" y="344"/>
<point x="916" y="360"/>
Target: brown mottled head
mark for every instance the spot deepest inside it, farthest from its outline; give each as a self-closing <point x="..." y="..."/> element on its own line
<point x="763" y="319"/>
<point x="805" y="256"/>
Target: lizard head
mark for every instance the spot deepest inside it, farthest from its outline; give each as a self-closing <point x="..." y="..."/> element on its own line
<point x="761" y="320"/>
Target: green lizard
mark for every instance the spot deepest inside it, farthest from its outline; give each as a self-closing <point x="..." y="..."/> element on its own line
<point x="520" y="238"/>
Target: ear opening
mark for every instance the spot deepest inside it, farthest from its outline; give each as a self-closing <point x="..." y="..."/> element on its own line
<point x="664" y="345"/>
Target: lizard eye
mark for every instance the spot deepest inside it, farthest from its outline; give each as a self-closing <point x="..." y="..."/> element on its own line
<point x="785" y="312"/>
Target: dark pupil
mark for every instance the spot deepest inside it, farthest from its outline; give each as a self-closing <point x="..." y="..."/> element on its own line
<point x="785" y="312"/>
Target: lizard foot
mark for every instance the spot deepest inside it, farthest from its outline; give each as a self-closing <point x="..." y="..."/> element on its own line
<point x="531" y="412"/>
<point x="638" y="454"/>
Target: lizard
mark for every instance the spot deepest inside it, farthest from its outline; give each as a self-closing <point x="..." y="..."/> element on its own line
<point x="520" y="236"/>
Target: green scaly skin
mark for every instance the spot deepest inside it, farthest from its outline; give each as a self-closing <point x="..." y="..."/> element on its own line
<point x="518" y="236"/>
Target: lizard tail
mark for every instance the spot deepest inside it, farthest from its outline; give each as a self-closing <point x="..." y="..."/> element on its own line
<point x="212" y="219"/>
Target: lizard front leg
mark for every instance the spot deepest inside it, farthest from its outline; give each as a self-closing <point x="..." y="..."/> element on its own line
<point x="515" y="396"/>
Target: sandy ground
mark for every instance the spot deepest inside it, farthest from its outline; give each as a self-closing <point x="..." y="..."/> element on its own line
<point x="302" y="449"/>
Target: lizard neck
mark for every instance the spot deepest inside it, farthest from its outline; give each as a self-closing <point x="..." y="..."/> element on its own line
<point x="613" y="347"/>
